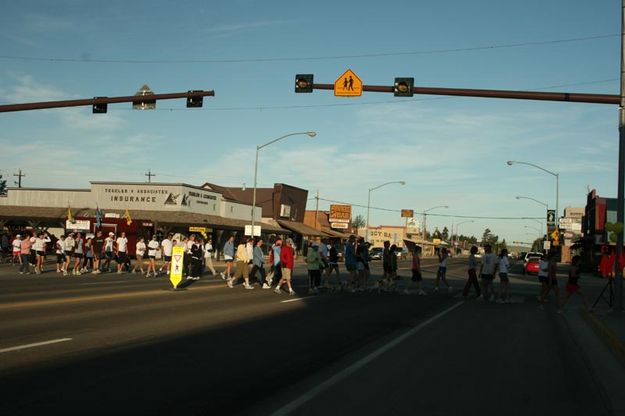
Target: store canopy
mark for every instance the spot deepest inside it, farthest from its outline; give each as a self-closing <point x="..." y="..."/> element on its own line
<point x="301" y="228"/>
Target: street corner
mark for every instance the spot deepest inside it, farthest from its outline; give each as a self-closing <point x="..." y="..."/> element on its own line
<point x="610" y="328"/>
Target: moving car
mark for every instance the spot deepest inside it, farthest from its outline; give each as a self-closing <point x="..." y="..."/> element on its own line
<point x="531" y="265"/>
<point x="376" y="253"/>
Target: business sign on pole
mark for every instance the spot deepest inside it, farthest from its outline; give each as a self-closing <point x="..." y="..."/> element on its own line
<point x="407" y="213"/>
<point x="248" y="230"/>
<point x="340" y="214"/>
<point x="348" y="85"/>
<point x="177" y="266"/>
<point x="551" y="220"/>
<point x="339" y="225"/>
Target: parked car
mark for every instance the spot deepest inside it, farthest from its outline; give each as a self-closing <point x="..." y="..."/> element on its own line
<point x="376" y="253"/>
<point x="531" y="255"/>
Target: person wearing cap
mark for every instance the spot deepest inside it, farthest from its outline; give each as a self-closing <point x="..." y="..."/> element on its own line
<point x="109" y="250"/>
<point x="287" y="260"/>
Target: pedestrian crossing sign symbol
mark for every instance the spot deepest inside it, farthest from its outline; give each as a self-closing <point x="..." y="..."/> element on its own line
<point x="348" y="85"/>
<point x="177" y="264"/>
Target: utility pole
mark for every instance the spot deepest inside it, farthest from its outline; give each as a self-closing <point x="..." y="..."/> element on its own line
<point x="620" y="210"/>
<point x="149" y="175"/>
<point x="317" y="209"/>
<point x="19" y="178"/>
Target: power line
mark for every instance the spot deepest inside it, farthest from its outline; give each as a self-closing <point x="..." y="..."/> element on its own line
<point x="309" y="58"/>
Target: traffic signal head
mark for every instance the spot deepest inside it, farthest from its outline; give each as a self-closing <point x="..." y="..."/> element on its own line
<point x="99" y="108"/>
<point x="304" y="83"/>
<point x="195" y="101"/>
<point x="403" y="87"/>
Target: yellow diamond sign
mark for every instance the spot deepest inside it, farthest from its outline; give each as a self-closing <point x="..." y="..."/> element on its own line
<point x="348" y="85"/>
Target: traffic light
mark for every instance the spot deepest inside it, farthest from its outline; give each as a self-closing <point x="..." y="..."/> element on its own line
<point x="403" y="87"/>
<point x="196" y="101"/>
<point x="99" y="108"/>
<point x="304" y="83"/>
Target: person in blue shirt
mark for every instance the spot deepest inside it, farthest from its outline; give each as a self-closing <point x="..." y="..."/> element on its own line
<point x="228" y="257"/>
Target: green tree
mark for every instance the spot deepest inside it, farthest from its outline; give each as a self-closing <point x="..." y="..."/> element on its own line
<point x="358" y="222"/>
<point x="445" y="234"/>
<point x="3" y="186"/>
<point x="437" y="234"/>
<point x="489" y="238"/>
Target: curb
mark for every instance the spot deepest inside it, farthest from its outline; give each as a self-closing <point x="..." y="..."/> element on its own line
<point x="606" y="335"/>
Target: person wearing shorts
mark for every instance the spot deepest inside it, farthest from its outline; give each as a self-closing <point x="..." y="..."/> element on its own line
<point x="60" y="254"/>
<point x="153" y="247"/>
<point x="287" y="261"/>
<point x="228" y="258"/>
<point x="78" y="254"/>
<point x="70" y="244"/>
<point x="16" y="244"/>
<point x="40" y="250"/>
<point x="121" y="246"/>
<point x="333" y="263"/>
<point x="417" y="277"/>
<point x="487" y="274"/>
<point x="140" y="250"/>
<point x="109" y="250"/>
<point x="97" y="247"/>
<point x="572" y="286"/>
<point x="441" y="274"/>
<point x="552" y="281"/>
<point x="167" y="247"/>
<point x="471" y="271"/>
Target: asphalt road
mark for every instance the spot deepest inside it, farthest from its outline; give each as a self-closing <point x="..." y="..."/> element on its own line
<point x="127" y="344"/>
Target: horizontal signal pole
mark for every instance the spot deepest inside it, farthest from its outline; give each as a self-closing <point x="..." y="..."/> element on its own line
<point x="102" y="100"/>
<point x="519" y="95"/>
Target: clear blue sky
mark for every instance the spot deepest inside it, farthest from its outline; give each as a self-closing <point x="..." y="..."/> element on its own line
<point x="450" y="151"/>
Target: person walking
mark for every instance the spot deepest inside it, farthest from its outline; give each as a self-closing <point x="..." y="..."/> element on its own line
<point x="287" y="261"/>
<point x="153" y="247"/>
<point x="109" y="250"/>
<point x="68" y="249"/>
<point x="140" y="249"/>
<point x="25" y="246"/>
<point x="258" y="261"/>
<point x="487" y="274"/>
<point x="228" y="257"/>
<point x="79" y="251"/>
<point x="441" y="274"/>
<point x="242" y="269"/>
<point x="121" y="248"/>
<point x="60" y="255"/>
<point x="97" y="246"/>
<point x="417" y="277"/>
<point x="572" y="286"/>
<point x="351" y="262"/>
<point x="17" y="244"/>
<point x="196" y="254"/>
<point x="472" y="280"/>
<point x="543" y="275"/>
<point x="333" y="263"/>
<point x="313" y="263"/>
<point x="503" y="264"/>
<point x="167" y="246"/>
<point x="208" y="256"/>
<point x="39" y="246"/>
<point x="552" y="280"/>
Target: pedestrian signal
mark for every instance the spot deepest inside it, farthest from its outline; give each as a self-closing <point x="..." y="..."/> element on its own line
<point x="99" y="108"/>
<point x="304" y="83"/>
<point x="194" y="101"/>
<point x="403" y="87"/>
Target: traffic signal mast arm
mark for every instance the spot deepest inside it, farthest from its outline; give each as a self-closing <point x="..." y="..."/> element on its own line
<point x="102" y="100"/>
<point x="520" y="95"/>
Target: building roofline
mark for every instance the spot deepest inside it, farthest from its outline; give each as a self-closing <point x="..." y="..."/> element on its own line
<point x="25" y="188"/>
<point x="200" y="187"/>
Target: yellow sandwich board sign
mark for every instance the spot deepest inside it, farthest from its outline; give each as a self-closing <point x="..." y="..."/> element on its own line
<point x="348" y="85"/>
<point x="175" y="271"/>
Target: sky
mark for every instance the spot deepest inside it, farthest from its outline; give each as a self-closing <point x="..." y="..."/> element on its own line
<point x="450" y="151"/>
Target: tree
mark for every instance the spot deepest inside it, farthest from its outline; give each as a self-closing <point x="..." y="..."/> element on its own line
<point x="3" y="186"/>
<point x="445" y="234"/>
<point x="489" y="238"/>
<point x="437" y="234"/>
<point x="359" y="222"/>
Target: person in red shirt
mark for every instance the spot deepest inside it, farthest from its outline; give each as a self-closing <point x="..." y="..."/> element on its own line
<point x="25" y="246"/>
<point x="287" y="259"/>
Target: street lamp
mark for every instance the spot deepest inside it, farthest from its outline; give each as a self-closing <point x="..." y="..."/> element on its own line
<point x="425" y="215"/>
<point x="310" y="134"/>
<point x="535" y="200"/>
<point x="539" y="223"/>
<point x="557" y="175"/>
<point x="458" y="225"/>
<point x="369" y="204"/>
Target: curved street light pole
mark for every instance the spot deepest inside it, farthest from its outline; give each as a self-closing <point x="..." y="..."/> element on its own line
<point x="557" y="175"/>
<point x="458" y="225"/>
<point x="425" y="216"/>
<point x="369" y="204"/>
<point x="535" y="200"/>
<point x="310" y="134"/>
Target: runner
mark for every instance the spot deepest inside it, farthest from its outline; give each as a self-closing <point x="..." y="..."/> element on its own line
<point x="68" y="249"/>
<point x="287" y="259"/>
<point x="39" y="246"/>
<point x="153" y="247"/>
<point x="17" y="244"/>
<point x="60" y="255"/>
<point x="472" y="280"/>
<point x="88" y="260"/>
<point x="109" y="250"/>
<point x="572" y="286"/>
<point x="140" y="250"/>
<point x="441" y="274"/>
<point x="79" y="251"/>
<point x="503" y="264"/>
<point x="417" y="278"/>
<point x="97" y="246"/>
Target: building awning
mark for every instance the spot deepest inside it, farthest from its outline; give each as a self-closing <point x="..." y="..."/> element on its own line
<point x="301" y="228"/>
<point x="334" y="234"/>
<point x="161" y="217"/>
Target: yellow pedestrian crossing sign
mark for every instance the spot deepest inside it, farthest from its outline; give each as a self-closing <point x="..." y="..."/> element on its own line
<point x="348" y="85"/>
<point x="176" y="267"/>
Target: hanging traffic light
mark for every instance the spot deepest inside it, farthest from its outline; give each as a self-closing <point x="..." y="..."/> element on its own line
<point x="403" y="87"/>
<point x="304" y="83"/>
<point x="99" y="108"/>
<point x="195" y="101"/>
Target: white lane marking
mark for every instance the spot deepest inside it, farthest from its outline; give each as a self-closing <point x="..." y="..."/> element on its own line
<point x="285" y="410"/>
<point x="296" y="299"/>
<point x="37" y="344"/>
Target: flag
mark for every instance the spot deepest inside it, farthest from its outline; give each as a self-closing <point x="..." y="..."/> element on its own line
<point x="98" y="218"/>
<point x="70" y="217"/>
<point x="127" y="216"/>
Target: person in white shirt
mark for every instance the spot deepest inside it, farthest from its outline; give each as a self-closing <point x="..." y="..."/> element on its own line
<point x="17" y="249"/>
<point x="60" y="254"/>
<point x="78" y="254"/>
<point x="121" y="245"/>
<point x="68" y="249"/>
<point x="443" y="259"/>
<point x="487" y="274"/>
<point x="109" y="250"/>
<point x="39" y="246"/>
<point x="139" y="252"/>
<point x="208" y="256"/>
<point x="153" y="247"/>
<point x="167" y="246"/>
